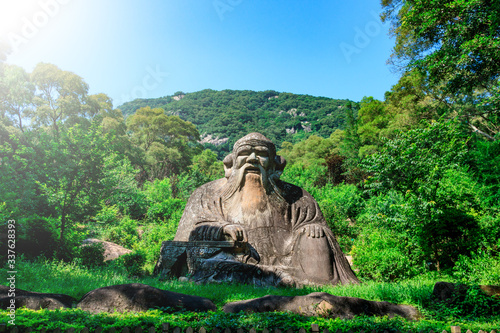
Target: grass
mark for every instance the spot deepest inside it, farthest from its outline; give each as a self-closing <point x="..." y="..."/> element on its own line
<point x="75" y="280"/>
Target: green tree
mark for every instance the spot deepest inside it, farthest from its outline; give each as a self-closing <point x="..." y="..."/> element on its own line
<point x="165" y="141"/>
<point x="61" y="96"/>
<point x="206" y="162"/>
<point x="373" y="120"/>
<point x="426" y="166"/>
<point x="16" y="94"/>
<point x="456" y="44"/>
<point x="71" y="173"/>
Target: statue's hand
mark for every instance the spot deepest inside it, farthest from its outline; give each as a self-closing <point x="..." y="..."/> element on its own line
<point x="236" y="232"/>
<point x="313" y="231"/>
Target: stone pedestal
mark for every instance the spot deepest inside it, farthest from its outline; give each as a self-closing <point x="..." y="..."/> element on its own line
<point x="178" y="258"/>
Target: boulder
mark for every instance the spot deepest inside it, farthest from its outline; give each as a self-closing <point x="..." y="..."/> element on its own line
<point x="490" y="290"/>
<point x="449" y="292"/>
<point x="138" y="297"/>
<point x="111" y="250"/>
<point x="34" y="300"/>
<point x="323" y="304"/>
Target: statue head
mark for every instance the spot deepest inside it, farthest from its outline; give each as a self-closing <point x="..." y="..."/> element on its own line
<point x="254" y="155"/>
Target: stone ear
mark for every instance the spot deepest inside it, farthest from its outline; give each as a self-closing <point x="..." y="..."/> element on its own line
<point x="228" y="164"/>
<point x="279" y="163"/>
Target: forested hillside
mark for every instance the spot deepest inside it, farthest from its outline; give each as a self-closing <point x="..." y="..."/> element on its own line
<point x="222" y="117"/>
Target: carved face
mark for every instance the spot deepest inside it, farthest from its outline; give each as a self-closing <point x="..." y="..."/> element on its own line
<point x="252" y="158"/>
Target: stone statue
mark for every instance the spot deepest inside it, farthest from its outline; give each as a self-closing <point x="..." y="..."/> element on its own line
<point x="287" y="239"/>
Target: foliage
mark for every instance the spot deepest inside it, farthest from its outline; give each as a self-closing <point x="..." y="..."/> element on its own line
<point x="426" y="166"/>
<point x="122" y="190"/>
<point x="232" y="114"/>
<point x="163" y="140"/>
<point x="455" y="45"/>
<point x="341" y="205"/>
<point x="471" y="304"/>
<point x="133" y="262"/>
<point x="482" y="267"/>
<point x="92" y="254"/>
<point x="123" y="233"/>
<point x="163" y="205"/>
<point x="387" y="248"/>
<point x="72" y="165"/>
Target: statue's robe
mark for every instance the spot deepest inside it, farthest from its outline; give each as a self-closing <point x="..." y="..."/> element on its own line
<point x="274" y="233"/>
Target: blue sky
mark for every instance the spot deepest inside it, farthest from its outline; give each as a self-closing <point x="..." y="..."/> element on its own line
<point x="130" y="48"/>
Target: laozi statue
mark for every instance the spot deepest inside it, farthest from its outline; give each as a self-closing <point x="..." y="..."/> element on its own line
<point x="276" y="231"/>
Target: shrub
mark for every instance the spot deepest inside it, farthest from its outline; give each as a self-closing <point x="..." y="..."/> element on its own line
<point x="340" y="205"/>
<point x="124" y="233"/>
<point x="152" y="238"/>
<point x="38" y="236"/>
<point x="383" y="255"/>
<point x="162" y="204"/>
<point x="92" y="255"/>
<point x="134" y="262"/>
<point x="108" y="215"/>
<point x="482" y="267"/>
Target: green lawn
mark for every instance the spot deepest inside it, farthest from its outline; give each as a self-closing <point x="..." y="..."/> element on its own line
<point x="75" y="280"/>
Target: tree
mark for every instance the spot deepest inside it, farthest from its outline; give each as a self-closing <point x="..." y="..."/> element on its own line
<point x="428" y="167"/>
<point x="71" y="172"/>
<point x="61" y="96"/>
<point x="16" y="93"/>
<point x="456" y="44"/>
<point x="164" y="141"/>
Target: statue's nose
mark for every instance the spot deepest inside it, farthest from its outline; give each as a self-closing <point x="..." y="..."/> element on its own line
<point x="252" y="157"/>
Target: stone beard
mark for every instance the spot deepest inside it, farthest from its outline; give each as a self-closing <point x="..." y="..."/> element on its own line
<point x="257" y="208"/>
<point x="281" y="222"/>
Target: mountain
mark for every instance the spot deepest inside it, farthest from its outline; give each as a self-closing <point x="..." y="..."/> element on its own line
<point x="222" y="117"/>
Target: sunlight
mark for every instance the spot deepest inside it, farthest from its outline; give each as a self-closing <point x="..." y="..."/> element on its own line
<point x="13" y="13"/>
<point x="22" y="21"/>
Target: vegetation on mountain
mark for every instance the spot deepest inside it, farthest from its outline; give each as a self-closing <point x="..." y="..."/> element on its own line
<point x="231" y="114"/>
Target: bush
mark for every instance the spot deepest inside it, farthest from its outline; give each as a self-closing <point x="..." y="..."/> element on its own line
<point x="152" y="238"/>
<point x="387" y="247"/>
<point x="92" y="255"/>
<point x="482" y="267"/>
<point x="382" y="255"/>
<point x="108" y="215"/>
<point x="162" y="204"/>
<point x="340" y="205"/>
<point x="134" y="262"/>
<point x="36" y="236"/>
<point x="124" y="233"/>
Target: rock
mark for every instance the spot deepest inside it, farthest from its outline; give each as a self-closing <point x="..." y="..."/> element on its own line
<point x="323" y="304"/>
<point x="111" y="250"/>
<point x="450" y="292"/>
<point x="138" y="297"/>
<point x="215" y="141"/>
<point x="446" y="291"/>
<point x="34" y="300"/>
<point x="493" y="291"/>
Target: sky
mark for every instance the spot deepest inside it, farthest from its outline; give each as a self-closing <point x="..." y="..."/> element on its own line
<point x="146" y="49"/>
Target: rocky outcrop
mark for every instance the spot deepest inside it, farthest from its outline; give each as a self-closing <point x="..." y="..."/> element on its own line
<point x="138" y="297"/>
<point x="215" y="141"/>
<point x="34" y="300"/>
<point x="111" y="250"/>
<point x="323" y="304"/>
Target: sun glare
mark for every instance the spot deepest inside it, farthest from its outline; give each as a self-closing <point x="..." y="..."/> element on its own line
<point x="13" y="13"/>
